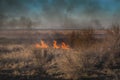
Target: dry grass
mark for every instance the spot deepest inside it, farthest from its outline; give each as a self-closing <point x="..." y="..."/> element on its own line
<point x="98" y="61"/>
<point x="84" y="38"/>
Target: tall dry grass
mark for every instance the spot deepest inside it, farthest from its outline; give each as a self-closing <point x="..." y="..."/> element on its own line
<point x="82" y="38"/>
<point x="96" y="61"/>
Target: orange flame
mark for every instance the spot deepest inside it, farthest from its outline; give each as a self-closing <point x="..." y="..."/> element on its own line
<point x="55" y="45"/>
<point x="37" y="45"/>
<point x="44" y="45"/>
<point x="64" y="46"/>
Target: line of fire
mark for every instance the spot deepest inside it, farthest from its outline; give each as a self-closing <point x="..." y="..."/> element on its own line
<point x="42" y="44"/>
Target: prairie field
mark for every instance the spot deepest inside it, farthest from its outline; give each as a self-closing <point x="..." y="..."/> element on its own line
<point x="90" y="55"/>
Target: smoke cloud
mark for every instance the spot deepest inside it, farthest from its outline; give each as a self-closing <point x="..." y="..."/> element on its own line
<point x="57" y="14"/>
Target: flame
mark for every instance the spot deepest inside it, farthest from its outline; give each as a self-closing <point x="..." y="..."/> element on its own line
<point x="64" y="46"/>
<point x="42" y="44"/>
<point x="37" y="45"/>
<point x="55" y="45"/>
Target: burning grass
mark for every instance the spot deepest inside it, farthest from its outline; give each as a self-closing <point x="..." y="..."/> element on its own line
<point x="43" y="45"/>
<point x="61" y="61"/>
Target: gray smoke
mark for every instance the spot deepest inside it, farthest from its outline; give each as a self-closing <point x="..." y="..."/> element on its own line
<point x="27" y="14"/>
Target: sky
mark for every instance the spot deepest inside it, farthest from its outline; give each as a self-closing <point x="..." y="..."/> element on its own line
<point x="59" y="14"/>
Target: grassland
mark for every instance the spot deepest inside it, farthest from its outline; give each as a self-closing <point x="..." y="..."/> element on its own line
<point x="88" y="58"/>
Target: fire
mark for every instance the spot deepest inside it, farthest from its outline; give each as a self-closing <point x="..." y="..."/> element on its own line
<point x="42" y="44"/>
<point x="55" y="45"/>
<point x="64" y="46"/>
<point x="37" y="46"/>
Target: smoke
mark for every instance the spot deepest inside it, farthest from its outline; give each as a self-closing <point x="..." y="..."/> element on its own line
<point x="58" y="13"/>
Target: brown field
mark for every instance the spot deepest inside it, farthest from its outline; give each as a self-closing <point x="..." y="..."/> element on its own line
<point x="92" y="55"/>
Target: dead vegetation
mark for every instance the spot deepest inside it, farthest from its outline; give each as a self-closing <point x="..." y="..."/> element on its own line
<point x="100" y="61"/>
<point x="83" y="38"/>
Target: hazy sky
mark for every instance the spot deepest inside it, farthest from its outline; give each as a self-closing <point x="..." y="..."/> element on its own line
<point x="63" y="13"/>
